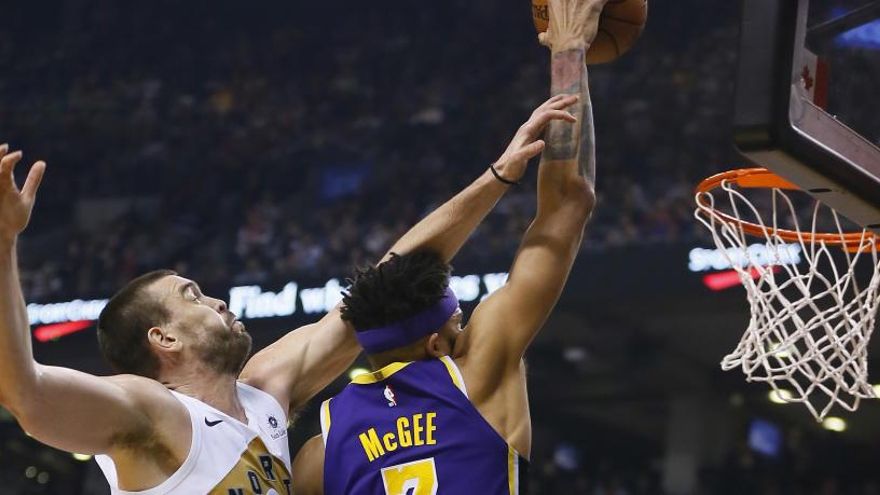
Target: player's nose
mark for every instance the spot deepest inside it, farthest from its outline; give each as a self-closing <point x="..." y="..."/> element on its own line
<point x="220" y="306"/>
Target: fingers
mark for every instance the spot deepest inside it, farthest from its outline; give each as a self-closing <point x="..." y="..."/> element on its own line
<point x="558" y="102"/>
<point x="535" y="127"/>
<point x="7" y="164"/>
<point x="34" y="178"/>
<point x="544" y="39"/>
<point x="559" y="115"/>
<point x="552" y="101"/>
<point x="4" y="148"/>
<point x="526" y="153"/>
<point x="562" y="101"/>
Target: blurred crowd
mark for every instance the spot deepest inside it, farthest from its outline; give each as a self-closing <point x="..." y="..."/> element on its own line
<point x="257" y="145"/>
<point x="245" y="145"/>
<point x="253" y="146"/>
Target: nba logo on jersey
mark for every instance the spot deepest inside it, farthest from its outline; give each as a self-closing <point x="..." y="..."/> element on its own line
<point x="389" y="394"/>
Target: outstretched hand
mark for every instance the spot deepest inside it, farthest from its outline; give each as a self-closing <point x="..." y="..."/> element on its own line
<point x="527" y="142"/>
<point x="573" y="24"/>
<point x="16" y="205"/>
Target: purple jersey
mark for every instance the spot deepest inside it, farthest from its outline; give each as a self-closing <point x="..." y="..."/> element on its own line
<point x="410" y="429"/>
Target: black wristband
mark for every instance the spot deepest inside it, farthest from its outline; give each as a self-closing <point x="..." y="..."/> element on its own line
<point x="502" y="179"/>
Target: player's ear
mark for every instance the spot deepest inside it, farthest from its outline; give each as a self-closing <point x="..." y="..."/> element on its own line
<point x="163" y="339"/>
<point x="434" y="346"/>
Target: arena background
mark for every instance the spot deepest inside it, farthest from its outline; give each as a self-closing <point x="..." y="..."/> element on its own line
<point x="279" y="144"/>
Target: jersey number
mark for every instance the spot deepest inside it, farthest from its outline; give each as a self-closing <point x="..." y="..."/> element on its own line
<point x="412" y="478"/>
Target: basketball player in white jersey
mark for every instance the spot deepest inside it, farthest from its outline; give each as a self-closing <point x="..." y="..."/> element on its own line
<point x="189" y="413"/>
<point x="485" y="360"/>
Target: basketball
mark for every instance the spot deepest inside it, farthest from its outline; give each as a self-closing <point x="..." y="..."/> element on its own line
<point x="621" y="25"/>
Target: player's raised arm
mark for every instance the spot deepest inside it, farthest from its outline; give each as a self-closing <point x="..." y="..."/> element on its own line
<point x="63" y="408"/>
<point x="447" y="228"/>
<point x="306" y="360"/>
<point x="502" y="327"/>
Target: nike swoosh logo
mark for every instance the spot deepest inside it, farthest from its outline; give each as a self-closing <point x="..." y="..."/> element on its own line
<point x="213" y="423"/>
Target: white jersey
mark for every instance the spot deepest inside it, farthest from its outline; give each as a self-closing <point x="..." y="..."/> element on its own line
<point x="227" y="457"/>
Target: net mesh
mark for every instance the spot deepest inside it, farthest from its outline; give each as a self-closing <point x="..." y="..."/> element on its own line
<point x="813" y="302"/>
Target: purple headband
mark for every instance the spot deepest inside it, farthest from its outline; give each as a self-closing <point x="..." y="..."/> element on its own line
<point x="376" y="340"/>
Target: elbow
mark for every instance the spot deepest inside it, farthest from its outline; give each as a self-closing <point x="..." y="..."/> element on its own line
<point x="19" y="396"/>
<point x="579" y="199"/>
<point x="18" y="407"/>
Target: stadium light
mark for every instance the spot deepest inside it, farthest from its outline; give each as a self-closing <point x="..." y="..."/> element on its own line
<point x="82" y="457"/>
<point x="780" y="396"/>
<point x="832" y="423"/>
<point x="779" y="351"/>
<point x="357" y="371"/>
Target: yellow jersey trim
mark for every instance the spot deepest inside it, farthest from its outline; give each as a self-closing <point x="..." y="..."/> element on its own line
<point x="454" y="373"/>
<point x="379" y="375"/>
<point x="512" y="471"/>
<point x="325" y="419"/>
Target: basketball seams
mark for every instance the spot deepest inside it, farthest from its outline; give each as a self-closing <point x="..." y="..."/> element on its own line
<point x="622" y="20"/>
<point x="612" y="38"/>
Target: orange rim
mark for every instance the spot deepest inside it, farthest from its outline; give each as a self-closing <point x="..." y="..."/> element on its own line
<point x="761" y="178"/>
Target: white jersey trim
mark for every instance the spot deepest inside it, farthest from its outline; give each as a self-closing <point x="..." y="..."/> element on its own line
<point x="216" y="449"/>
<point x="455" y="373"/>
<point x="175" y="479"/>
<point x="325" y="420"/>
<point x="281" y="406"/>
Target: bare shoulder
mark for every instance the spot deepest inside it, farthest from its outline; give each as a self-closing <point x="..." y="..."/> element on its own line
<point x="276" y="387"/>
<point x="143" y="389"/>
<point x="481" y="357"/>
<point x="153" y="399"/>
<point x="486" y="379"/>
<point x="146" y="456"/>
<point x="500" y="395"/>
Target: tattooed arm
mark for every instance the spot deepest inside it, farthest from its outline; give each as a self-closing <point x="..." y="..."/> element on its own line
<point x="304" y="361"/>
<point x="503" y="326"/>
<point x="490" y="351"/>
<point x="571" y="150"/>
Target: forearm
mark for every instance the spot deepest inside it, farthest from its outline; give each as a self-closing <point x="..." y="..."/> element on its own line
<point x="447" y="228"/>
<point x="570" y="155"/>
<point x="299" y="365"/>
<point x="303" y="362"/>
<point x="329" y="350"/>
<point x="17" y="367"/>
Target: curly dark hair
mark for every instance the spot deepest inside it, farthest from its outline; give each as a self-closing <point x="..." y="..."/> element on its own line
<point x="397" y="289"/>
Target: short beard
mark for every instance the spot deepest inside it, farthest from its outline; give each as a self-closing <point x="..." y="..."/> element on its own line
<point x="227" y="352"/>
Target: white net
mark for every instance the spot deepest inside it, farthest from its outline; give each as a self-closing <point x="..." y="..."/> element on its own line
<point x="813" y="298"/>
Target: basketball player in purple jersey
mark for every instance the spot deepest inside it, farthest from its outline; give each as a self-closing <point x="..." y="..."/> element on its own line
<point x="190" y="413"/>
<point x="446" y="410"/>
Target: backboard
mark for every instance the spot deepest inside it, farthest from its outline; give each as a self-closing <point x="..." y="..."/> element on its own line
<point x="806" y="104"/>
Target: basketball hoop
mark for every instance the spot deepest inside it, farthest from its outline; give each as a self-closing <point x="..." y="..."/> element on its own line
<point x="810" y="326"/>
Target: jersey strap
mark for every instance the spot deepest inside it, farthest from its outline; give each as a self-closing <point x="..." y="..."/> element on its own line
<point x="379" y="375"/>
<point x="455" y="374"/>
<point x="325" y="420"/>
